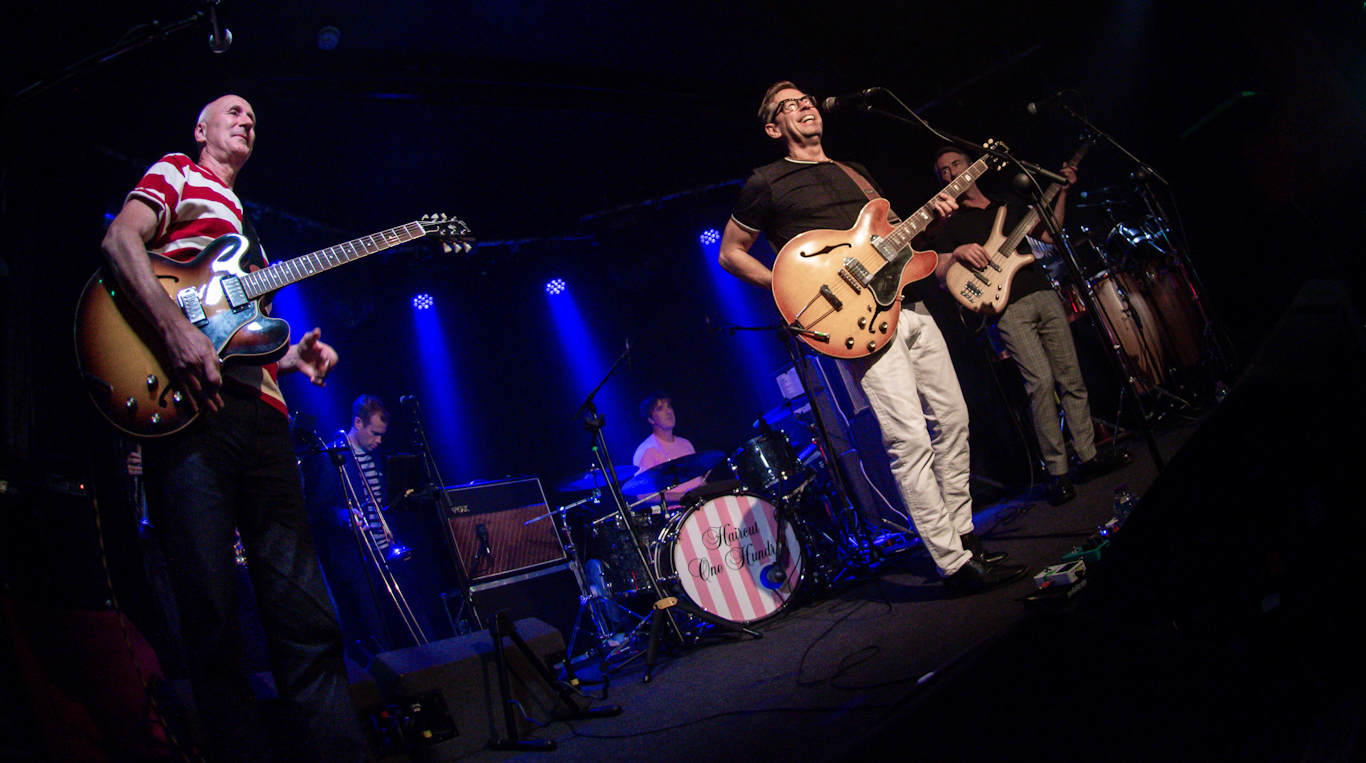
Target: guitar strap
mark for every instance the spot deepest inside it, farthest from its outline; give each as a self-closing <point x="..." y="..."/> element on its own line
<point x="868" y="190"/>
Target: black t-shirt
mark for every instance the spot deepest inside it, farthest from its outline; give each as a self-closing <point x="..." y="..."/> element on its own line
<point x="787" y="198"/>
<point x="972" y="225"/>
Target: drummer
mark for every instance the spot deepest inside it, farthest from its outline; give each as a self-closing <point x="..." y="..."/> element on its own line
<point x="663" y="445"/>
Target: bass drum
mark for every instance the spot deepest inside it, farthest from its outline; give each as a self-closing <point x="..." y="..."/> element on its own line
<point x="1128" y="314"/>
<point x="722" y="551"/>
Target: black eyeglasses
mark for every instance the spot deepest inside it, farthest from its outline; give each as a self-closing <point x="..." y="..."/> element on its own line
<point x="791" y="104"/>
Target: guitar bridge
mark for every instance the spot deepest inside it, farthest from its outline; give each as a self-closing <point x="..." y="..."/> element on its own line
<point x="831" y="298"/>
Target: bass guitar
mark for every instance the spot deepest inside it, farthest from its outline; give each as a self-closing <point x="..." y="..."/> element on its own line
<point x="121" y="357"/>
<point x="839" y="291"/>
<point x="987" y="291"/>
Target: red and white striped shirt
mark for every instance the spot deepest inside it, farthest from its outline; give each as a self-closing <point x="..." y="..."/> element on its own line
<point x="194" y="207"/>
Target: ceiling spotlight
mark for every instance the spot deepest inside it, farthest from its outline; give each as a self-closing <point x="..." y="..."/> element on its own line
<point x="555" y="286"/>
<point x="710" y="236"/>
<point x="328" y="37"/>
<point x="422" y="302"/>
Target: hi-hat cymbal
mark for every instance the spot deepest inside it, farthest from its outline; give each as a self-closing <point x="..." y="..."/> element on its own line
<point x="659" y="478"/>
<point x="594" y="479"/>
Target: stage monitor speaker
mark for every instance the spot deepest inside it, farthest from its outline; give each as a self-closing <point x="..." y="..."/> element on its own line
<point x="496" y="515"/>
<point x="450" y="688"/>
<point x="550" y="594"/>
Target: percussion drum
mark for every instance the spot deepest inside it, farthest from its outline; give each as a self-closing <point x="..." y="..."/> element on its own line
<point x="1181" y="322"/>
<point x="767" y="464"/>
<point x="622" y="572"/>
<point x="722" y="552"/>
<point x="1119" y="297"/>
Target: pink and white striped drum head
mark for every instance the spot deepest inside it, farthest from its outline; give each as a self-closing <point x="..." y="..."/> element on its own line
<point x="724" y="553"/>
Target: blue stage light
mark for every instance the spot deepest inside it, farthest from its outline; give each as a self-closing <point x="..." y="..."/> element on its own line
<point x="422" y="302"/>
<point x="710" y="236"/>
<point x="555" y="286"/>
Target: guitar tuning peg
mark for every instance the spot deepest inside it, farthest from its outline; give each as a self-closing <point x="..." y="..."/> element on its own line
<point x="446" y="249"/>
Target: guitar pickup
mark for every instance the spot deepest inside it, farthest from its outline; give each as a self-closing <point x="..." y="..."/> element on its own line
<point x="188" y="299"/>
<point x="831" y="298"/>
<point x="235" y="293"/>
<point x="883" y="248"/>
<point x="979" y="275"/>
<point x="856" y="269"/>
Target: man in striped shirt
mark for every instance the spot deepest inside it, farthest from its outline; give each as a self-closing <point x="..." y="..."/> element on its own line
<point x="233" y="470"/>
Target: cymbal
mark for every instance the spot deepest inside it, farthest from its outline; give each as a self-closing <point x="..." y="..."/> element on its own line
<point x="594" y="479"/>
<point x="659" y="478"/>
<point x="784" y="409"/>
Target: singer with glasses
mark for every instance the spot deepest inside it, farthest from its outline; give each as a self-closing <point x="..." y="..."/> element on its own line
<point x="910" y="382"/>
<point x="363" y="562"/>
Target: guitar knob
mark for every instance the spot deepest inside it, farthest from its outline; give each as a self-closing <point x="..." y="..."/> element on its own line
<point x="848" y="344"/>
<point x="872" y="346"/>
<point x="883" y="327"/>
<point x="156" y="419"/>
<point x="131" y="404"/>
<point x="862" y="322"/>
<point x="177" y="397"/>
<point x="151" y="381"/>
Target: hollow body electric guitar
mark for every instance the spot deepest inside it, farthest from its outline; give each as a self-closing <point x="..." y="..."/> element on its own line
<point x="840" y="290"/>
<point x="121" y="357"/>
<point x="987" y="291"/>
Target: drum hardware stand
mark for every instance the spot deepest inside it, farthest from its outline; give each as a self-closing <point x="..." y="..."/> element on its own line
<point x="500" y="627"/>
<point x="442" y="503"/>
<point x="369" y="547"/>
<point x="661" y="616"/>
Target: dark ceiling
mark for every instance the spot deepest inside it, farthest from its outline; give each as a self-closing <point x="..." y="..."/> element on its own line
<point x="521" y="117"/>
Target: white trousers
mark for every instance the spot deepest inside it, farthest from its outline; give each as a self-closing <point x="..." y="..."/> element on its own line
<point x="914" y="392"/>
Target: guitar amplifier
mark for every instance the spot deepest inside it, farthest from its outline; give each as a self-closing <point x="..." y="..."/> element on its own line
<point x="488" y="531"/>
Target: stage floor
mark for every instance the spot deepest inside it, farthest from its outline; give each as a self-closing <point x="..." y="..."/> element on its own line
<point x="893" y="663"/>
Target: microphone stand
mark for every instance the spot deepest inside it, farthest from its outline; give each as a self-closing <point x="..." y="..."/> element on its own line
<point x="661" y="615"/>
<point x="444" y="510"/>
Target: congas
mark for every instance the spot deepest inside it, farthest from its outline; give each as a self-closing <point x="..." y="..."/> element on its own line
<point x="721" y="552"/>
<point x="1182" y="324"/>
<point x="1129" y="315"/>
<point x="767" y="464"/>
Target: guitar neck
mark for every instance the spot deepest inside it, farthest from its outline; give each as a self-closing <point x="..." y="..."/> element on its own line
<point x="913" y="226"/>
<point x="281" y="274"/>
<point x="1031" y="219"/>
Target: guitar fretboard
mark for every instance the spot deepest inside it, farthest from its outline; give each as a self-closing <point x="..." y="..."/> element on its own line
<point x="286" y="272"/>
<point x="912" y="226"/>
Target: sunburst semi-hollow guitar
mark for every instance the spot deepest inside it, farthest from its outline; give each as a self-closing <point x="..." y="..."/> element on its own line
<point x="121" y="356"/>
<point x="987" y="291"/>
<point x="839" y="290"/>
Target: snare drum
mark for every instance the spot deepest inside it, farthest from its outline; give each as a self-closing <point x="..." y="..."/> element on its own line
<point x="722" y="553"/>
<point x="767" y="464"/>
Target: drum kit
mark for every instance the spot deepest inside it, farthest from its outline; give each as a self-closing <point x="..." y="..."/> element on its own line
<point x="741" y="548"/>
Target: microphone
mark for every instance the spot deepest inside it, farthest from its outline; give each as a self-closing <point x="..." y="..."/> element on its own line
<point x="481" y="531"/>
<point x="219" y="38"/>
<point x="1045" y="104"/>
<point x="836" y="102"/>
<point x="772" y="577"/>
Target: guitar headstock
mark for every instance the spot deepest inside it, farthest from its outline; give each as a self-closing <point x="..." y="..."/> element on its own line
<point x="995" y="162"/>
<point x="452" y="232"/>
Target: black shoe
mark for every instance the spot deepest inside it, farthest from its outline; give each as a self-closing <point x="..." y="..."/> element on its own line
<point x="974" y="544"/>
<point x="976" y="576"/>
<point x="1103" y="463"/>
<point x="1060" y="489"/>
